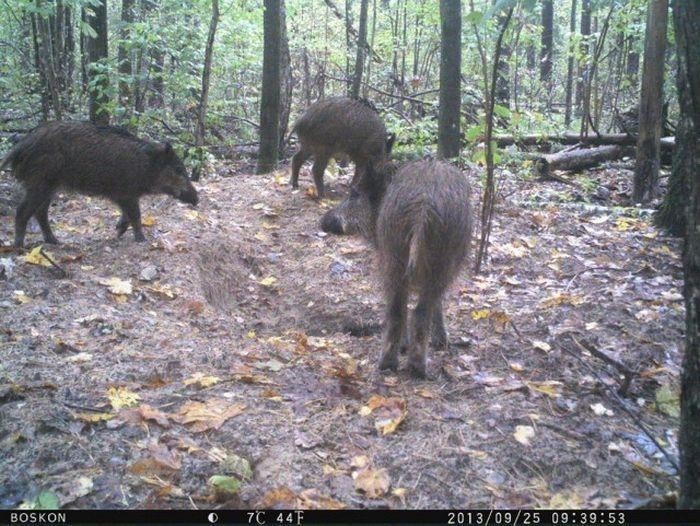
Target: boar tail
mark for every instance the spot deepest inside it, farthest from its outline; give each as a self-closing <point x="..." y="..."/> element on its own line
<point x="416" y="248"/>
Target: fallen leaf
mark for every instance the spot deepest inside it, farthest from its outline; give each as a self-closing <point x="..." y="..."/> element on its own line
<point x="523" y="434"/>
<point x="93" y="417"/>
<point x="209" y="415"/>
<point x="224" y="486"/>
<point x="480" y="314"/>
<point x="121" y="397"/>
<point x="388" y="412"/>
<point x="268" y="282"/>
<point x="117" y="286"/>
<point x="542" y="346"/>
<point x="34" y="257"/>
<point x="374" y="483"/>
<point x="202" y="379"/>
<point x="600" y="410"/>
<point x="359" y="461"/>
<point x="668" y="401"/>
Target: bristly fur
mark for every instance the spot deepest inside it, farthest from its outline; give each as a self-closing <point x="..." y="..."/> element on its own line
<point x="339" y="125"/>
<point x="419" y="219"/>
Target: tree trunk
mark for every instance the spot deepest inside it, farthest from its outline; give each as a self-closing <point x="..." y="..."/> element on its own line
<point x="361" y="47"/>
<point x="124" y="56"/>
<point x="270" y="96"/>
<point x="45" y="106"/>
<point x="546" y="43"/>
<point x="200" y="131"/>
<point x="686" y="17"/>
<point x="570" y="66"/>
<point x="646" y="173"/>
<point x="450" y="77"/>
<point x="157" y="98"/>
<point x="286" y="80"/>
<point x="502" y="69"/>
<point x="585" y="47"/>
<point x="348" y="50"/>
<point x="369" y="62"/>
<point x="97" y="74"/>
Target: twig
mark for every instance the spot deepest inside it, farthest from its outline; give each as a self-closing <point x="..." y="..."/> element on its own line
<point x="626" y="371"/>
<point x="53" y="263"/>
<point x="575" y="276"/>
<point x="623" y="405"/>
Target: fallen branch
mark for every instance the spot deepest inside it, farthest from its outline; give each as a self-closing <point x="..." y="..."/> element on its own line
<point x="627" y="373"/>
<point x="577" y="159"/>
<point x="622" y="139"/>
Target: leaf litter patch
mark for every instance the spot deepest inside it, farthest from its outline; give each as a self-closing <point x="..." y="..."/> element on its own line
<point x="231" y="360"/>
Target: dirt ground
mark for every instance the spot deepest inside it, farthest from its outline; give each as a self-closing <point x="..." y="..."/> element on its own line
<point x="241" y="343"/>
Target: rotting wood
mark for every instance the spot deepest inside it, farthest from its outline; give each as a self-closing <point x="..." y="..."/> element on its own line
<point x="577" y="159"/>
<point x="622" y="139"/>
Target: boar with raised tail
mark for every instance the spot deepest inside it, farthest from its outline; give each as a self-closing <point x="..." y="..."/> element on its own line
<point x="418" y="217"/>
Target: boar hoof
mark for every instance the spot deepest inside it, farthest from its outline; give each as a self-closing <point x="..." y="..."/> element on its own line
<point x="389" y="362"/>
<point x="139" y="237"/>
<point x="121" y="227"/>
<point x="439" y="340"/>
<point x="51" y="240"/>
<point x="417" y="369"/>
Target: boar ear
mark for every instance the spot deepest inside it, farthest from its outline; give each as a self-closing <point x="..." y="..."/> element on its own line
<point x="390" y="142"/>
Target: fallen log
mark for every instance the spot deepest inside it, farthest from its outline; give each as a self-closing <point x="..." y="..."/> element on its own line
<point x="578" y="159"/>
<point x="621" y="139"/>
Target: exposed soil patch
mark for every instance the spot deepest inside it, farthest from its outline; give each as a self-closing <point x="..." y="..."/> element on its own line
<point x="516" y="413"/>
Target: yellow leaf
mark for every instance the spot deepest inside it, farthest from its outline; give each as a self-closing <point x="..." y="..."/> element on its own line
<point x="389" y="412"/>
<point x="20" y="296"/>
<point x="480" y="314"/>
<point x="566" y="500"/>
<point x="148" y="220"/>
<point x="550" y="387"/>
<point x="251" y="335"/>
<point x="93" y="417"/>
<point x="268" y="281"/>
<point x="121" y="397"/>
<point x="523" y="434"/>
<point x="35" y="258"/>
<point x="164" y="290"/>
<point x="117" y="286"/>
<point x="202" y="380"/>
<point x="209" y="415"/>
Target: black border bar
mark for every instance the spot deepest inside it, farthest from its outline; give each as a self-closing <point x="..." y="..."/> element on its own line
<point x="479" y="517"/>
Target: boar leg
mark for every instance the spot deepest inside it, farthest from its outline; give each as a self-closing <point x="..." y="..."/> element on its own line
<point x="360" y="168"/>
<point x="395" y="328"/>
<point x="33" y="199"/>
<point x="42" y="216"/>
<point x="320" y="163"/>
<point x="122" y="224"/>
<point x="130" y="209"/>
<point x="423" y="315"/>
<point x="299" y="158"/>
<point x="439" y="334"/>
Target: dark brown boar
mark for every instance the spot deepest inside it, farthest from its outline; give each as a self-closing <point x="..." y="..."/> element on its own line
<point x="339" y="125"/>
<point x="95" y="160"/>
<point x="419" y="220"/>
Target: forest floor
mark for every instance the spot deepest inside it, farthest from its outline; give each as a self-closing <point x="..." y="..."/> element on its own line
<point x="239" y="342"/>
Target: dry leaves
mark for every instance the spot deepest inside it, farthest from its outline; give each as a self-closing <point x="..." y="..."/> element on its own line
<point x="210" y="415"/>
<point x="388" y="412"/>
